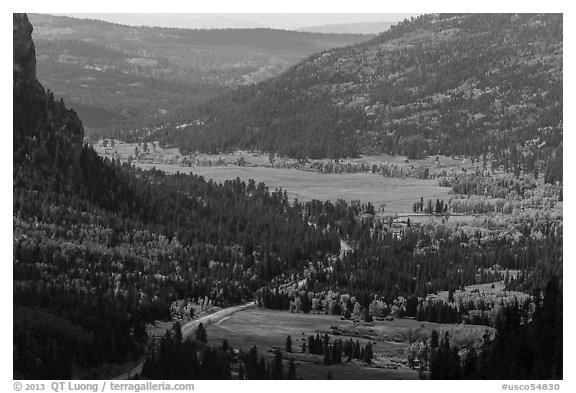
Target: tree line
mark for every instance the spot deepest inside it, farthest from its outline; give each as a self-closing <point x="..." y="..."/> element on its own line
<point x="521" y="349"/>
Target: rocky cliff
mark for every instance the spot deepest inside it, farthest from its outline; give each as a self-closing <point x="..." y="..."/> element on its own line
<point x="23" y="46"/>
<point x="47" y="136"/>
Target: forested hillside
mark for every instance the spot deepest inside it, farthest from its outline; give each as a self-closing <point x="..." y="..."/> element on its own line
<point x="101" y="248"/>
<point x="117" y="75"/>
<point x="479" y="84"/>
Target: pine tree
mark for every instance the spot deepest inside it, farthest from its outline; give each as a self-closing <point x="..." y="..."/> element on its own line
<point x="278" y="369"/>
<point x="434" y="339"/>
<point x="177" y="335"/>
<point x="288" y="344"/>
<point x="469" y="369"/>
<point x="291" y="369"/>
<point x="326" y="353"/>
<point x="262" y="372"/>
<point x="201" y="333"/>
<point x="366" y="315"/>
<point x="148" y="366"/>
<point x="368" y="355"/>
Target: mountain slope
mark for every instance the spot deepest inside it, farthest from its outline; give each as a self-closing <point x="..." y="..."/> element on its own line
<point x="101" y="249"/>
<point x="438" y="84"/>
<point x="123" y="75"/>
<point x="42" y="125"/>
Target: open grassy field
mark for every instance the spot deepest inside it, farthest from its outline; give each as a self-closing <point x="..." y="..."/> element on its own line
<point x="398" y="195"/>
<point x="267" y="329"/>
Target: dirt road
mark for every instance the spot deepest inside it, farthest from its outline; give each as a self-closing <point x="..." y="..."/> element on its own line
<point x="189" y="328"/>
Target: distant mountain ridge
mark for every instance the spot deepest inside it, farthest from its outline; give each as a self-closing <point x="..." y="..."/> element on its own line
<point x="180" y="21"/>
<point x="349" y="28"/>
<point x="123" y="76"/>
<point x="472" y="84"/>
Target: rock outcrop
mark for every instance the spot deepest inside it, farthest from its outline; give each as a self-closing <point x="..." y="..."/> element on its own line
<point x="47" y="136"/>
<point x="23" y="46"/>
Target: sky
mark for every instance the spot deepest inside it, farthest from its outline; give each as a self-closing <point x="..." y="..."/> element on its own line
<point x="287" y="21"/>
<point x="287" y="14"/>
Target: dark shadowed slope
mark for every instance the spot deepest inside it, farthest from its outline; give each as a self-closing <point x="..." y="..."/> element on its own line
<point x="102" y="249"/>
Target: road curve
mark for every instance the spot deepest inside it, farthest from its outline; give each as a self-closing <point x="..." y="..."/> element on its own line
<point x="189" y="328"/>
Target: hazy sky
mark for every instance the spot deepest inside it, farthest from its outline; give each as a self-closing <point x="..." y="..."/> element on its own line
<point x="211" y="20"/>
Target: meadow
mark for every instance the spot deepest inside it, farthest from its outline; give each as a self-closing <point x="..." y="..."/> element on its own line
<point x="268" y="329"/>
<point x="395" y="195"/>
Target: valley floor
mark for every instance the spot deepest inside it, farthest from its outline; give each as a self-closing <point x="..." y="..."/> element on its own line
<point x="395" y="195"/>
<point x="268" y="330"/>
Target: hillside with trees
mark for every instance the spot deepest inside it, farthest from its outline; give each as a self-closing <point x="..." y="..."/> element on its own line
<point x="117" y="75"/>
<point x="523" y="348"/>
<point x="101" y="248"/>
<point x="478" y="84"/>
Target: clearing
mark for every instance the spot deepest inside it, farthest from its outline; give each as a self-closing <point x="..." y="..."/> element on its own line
<point x="268" y="329"/>
<point x="397" y="195"/>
